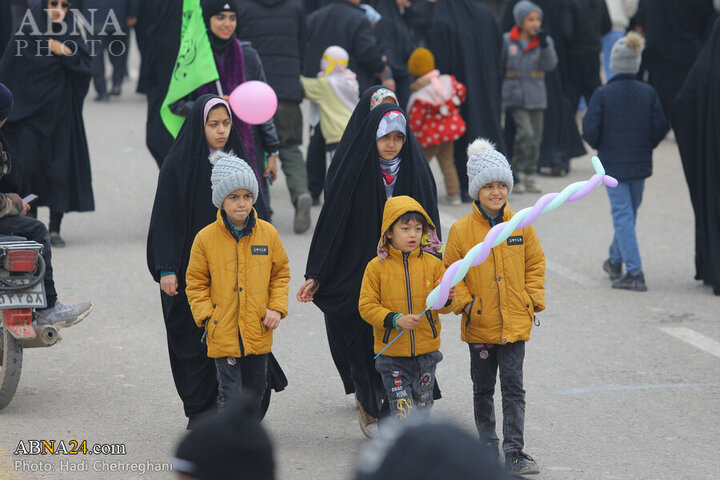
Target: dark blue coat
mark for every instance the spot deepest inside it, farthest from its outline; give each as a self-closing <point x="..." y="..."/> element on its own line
<point x="625" y="122"/>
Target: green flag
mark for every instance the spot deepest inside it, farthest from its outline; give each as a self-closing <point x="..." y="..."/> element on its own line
<point x="194" y="67"/>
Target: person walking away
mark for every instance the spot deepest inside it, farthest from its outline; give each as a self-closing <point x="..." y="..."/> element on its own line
<point x="435" y="117"/>
<point x="238" y="273"/>
<point x="528" y="53"/>
<point x="407" y="367"/>
<point x="45" y="130"/>
<point x="499" y="301"/>
<point x="625" y="122"/>
<point x="277" y="30"/>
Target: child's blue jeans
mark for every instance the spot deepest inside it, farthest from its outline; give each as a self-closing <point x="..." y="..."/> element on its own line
<point x="409" y="382"/>
<point x="625" y="200"/>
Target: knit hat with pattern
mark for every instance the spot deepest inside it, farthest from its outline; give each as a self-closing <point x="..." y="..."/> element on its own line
<point x="230" y="173"/>
<point x="485" y="165"/>
<point x="626" y="54"/>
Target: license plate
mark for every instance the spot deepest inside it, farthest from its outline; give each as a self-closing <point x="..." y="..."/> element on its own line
<point x="31" y="298"/>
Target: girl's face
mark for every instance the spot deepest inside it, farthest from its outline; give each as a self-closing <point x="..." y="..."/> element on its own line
<point x="217" y="127"/>
<point x="389" y="145"/>
<point x="57" y="9"/>
<point x="223" y="24"/>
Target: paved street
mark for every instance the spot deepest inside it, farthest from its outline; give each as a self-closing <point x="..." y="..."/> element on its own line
<point x="620" y="385"/>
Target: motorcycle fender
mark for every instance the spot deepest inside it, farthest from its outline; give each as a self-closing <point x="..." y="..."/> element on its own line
<point x="18" y="321"/>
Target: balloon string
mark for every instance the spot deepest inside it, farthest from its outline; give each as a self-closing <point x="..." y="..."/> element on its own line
<point x="456" y="272"/>
<point x="399" y="335"/>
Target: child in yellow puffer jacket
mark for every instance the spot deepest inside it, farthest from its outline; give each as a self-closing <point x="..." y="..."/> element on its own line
<point x="398" y="280"/>
<point x="499" y="299"/>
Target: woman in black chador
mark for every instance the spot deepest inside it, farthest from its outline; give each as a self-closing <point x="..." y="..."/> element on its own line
<point x="183" y="206"/>
<point x="49" y="71"/>
<point x="345" y="240"/>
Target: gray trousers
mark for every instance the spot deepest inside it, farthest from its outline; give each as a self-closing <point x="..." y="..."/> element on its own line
<point x="409" y="382"/>
<point x="289" y="125"/>
<point x="528" y="138"/>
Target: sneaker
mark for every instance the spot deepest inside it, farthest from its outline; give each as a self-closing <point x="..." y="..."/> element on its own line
<point x="56" y="240"/>
<point x="530" y="186"/>
<point x="465" y="197"/>
<point x="102" y="97"/>
<point x="368" y="423"/>
<point x="301" y="223"/>
<point x="116" y="90"/>
<point x="316" y="202"/>
<point x="613" y="269"/>
<point x="62" y="315"/>
<point x="452" y="200"/>
<point x="557" y="170"/>
<point x="520" y="463"/>
<point x="631" y="282"/>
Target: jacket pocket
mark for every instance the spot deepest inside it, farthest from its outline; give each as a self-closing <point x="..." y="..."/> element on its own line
<point x="386" y="337"/>
<point x="528" y="304"/>
<point x="214" y="321"/>
<point x="475" y="312"/>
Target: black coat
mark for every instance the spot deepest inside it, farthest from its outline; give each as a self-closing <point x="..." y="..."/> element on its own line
<point x="45" y="131"/>
<point x="348" y="228"/>
<point x="396" y="43"/>
<point x="5" y="25"/>
<point x="696" y="122"/>
<point x="277" y="30"/>
<point x="584" y="23"/>
<point x="625" y="122"/>
<point x="466" y="42"/>
<point x="343" y="24"/>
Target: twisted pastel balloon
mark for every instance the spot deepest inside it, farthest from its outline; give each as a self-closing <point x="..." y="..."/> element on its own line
<point x="499" y="233"/>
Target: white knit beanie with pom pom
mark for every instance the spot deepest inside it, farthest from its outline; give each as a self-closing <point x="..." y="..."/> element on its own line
<point x="485" y="165"/>
<point x="626" y="54"/>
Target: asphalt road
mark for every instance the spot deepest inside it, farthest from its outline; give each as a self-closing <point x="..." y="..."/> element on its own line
<point x="620" y="385"/>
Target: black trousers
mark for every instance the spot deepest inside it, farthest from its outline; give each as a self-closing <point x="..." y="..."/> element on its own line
<point x="351" y="346"/>
<point x="316" y="165"/>
<point x="117" y="47"/>
<point x="35" y="230"/>
<point x="193" y="371"/>
<point x="584" y="78"/>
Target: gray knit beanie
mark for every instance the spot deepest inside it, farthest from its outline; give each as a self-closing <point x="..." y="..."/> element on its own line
<point x="626" y="54"/>
<point x="230" y="173"/>
<point x="521" y="10"/>
<point x="485" y="165"/>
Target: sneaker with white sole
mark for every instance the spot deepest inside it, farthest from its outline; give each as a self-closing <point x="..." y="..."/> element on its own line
<point x="520" y="463"/>
<point x="63" y="315"/>
<point x="301" y="222"/>
<point x="368" y="423"/>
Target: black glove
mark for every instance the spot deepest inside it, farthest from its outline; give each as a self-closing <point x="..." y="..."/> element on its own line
<point x="542" y="37"/>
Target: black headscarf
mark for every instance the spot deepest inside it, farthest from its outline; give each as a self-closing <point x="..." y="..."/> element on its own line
<point x="696" y="122"/>
<point x="347" y="231"/>
<point x="45" y="130"/>
<point x="211" y="8"/>
<point x="183" y="204"/>
<point x="467" y="42"/>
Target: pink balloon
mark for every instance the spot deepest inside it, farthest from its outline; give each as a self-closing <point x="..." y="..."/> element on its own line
<point x="254" y="102"/>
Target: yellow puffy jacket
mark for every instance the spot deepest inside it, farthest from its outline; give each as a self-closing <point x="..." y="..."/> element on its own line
<point x="506" y="290"/>
<point x="231" y="283"/>
<point x="398" y="282"/>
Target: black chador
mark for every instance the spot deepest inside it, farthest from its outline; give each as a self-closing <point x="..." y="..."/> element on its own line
<point x="345" y="240"/>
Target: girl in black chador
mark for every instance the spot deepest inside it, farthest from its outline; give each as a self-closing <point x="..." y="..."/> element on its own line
<point x="48" y="68"/>
<point x="182" y="208"/>
<point x="345" y="240"/>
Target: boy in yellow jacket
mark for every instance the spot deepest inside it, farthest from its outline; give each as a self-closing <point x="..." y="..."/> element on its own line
<point x="398" y="280"/>
<point x="237" y="281"/>
<point x="498" y="299"/>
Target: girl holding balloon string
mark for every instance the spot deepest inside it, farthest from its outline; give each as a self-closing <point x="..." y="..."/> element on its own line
<point x="237" y="62"/>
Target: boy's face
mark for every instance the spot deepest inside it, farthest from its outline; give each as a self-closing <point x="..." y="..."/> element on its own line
<point x="389" y="145"/>
<point x="237" y="206"/>
<point x="406" y="237"/>
<point x="492" y="197"/>
<point x="217" y="128"/>
<point x="531" y="23"/>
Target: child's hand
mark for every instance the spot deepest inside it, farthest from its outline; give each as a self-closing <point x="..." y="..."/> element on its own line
<point x="272" y="319"/>
<point x="451" y="293"/>
<point x="169" y="285"/>
<point x="467" y="310"/>
<point x="307" y="291"/>
<point x="408" y="321"/>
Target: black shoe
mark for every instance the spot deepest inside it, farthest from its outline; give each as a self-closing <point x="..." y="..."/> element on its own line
<point x="557" y="170"/>
<point x="520" y="463"/>
<point x="301" y="223"/>
<point x="116" y="90"/>
<point x="613" y="269"/>
<point x="103" y="97"/>
<point x="465" y="197"/>
<point x="316" y="202"/>
<point x="631" y="282"/>
<point x="56" y="240"/>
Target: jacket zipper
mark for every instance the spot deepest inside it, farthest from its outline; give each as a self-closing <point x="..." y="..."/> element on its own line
<point x="409" y="297"/>
<point x="386" y="338"/>
<point x="237" y="262"/>
<point x="502" y="320"/>
<point x="429" y="317"/>
<point x="467" y="322"/>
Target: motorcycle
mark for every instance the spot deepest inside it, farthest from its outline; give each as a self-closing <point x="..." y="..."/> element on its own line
<point x="22" y="290"/>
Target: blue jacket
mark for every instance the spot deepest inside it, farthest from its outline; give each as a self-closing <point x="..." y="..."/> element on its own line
<point x="625" y="122"/>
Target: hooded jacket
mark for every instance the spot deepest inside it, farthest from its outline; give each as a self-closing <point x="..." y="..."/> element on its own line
<point x="506" y="290"/>
<point x="231" y="283"/>
<point x="396" y="282"/>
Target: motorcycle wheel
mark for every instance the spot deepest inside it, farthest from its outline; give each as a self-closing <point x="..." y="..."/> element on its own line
<point x="11" y="351"/>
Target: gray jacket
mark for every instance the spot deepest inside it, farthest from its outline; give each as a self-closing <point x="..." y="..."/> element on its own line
<point x="524" y="82"/>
